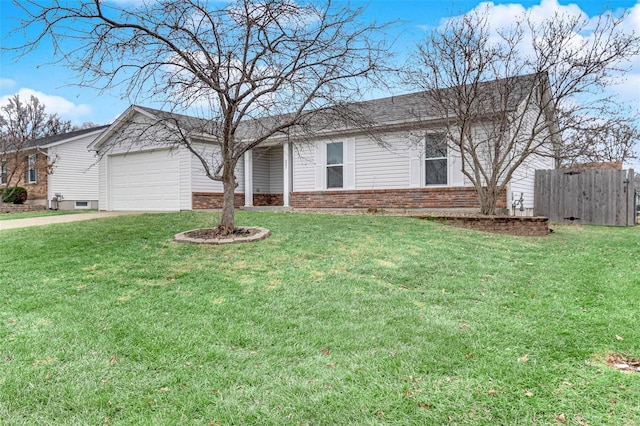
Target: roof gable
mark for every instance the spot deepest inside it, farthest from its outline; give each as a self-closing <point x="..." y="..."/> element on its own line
<point x="399" y="110"/>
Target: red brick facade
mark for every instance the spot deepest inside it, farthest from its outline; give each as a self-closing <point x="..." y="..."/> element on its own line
<point x="213" y="200"/>
<point x="268" y="200"/>
<point x="36" y="191"/>
<point x="415" y="198"/>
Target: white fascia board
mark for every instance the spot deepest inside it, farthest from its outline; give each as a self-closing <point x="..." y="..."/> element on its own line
<point x="118" y="123"/>
<point x="95" y="132"/>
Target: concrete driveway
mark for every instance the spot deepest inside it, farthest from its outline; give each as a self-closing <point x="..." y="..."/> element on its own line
<point x="48" y="220"/>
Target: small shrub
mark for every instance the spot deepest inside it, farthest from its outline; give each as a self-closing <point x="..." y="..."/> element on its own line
<point x="17" y="195"/>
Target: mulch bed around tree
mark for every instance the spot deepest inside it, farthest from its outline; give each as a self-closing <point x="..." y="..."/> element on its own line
<point x="213" y="235"/>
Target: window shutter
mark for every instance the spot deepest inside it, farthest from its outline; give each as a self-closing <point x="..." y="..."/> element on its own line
<point x="414" y="167"/>
<point x="455" y="168"/>
<point x="350" y="164"/>
<point x="320" y="162"/>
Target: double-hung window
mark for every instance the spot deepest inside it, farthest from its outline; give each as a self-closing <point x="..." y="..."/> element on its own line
<point x="435" y="164"/>
<point x="32" y="175"/>
<point x="335" y="165"/>
<point x="3" y="173"/>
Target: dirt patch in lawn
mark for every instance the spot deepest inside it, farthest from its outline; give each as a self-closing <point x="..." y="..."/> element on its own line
<point x="624" y="362"/>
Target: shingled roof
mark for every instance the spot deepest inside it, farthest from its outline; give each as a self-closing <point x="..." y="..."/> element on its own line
<point x="50" y="140"/>
<point x="400" y="110"/>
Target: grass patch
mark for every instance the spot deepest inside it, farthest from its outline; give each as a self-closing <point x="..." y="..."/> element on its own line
<point x="331" y="320"/>
<point x="41" y="213"/>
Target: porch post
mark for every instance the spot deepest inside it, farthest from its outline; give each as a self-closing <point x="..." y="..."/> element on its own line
<point x="286" y="187"/>
<point x="248" y="179"/>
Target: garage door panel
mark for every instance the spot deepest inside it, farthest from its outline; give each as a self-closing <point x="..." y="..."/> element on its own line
<point x="145" y="181"/>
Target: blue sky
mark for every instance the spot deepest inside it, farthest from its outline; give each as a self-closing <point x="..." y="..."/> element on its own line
<point x="55" y="85"/>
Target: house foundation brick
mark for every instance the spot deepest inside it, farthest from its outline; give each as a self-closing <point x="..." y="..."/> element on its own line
<point x="213" y="200"/>
<point x="415" y="198"/>
<point x="268" y="200"/>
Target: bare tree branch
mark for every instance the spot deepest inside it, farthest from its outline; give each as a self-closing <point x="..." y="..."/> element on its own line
<point x="495" y="118"/>
<point x="20" y="124"/>
<point x="235" y="62"/>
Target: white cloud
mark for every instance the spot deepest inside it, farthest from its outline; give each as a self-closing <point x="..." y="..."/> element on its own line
<point x="629" y="89"/>
<point x="7" y="83"/>
<point x="548" y="8"/>
<point x="504" y="15"/>
<point x="53" y="104"/>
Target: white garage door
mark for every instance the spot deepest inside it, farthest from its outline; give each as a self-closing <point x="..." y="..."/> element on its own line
<point x="148" y="181"/>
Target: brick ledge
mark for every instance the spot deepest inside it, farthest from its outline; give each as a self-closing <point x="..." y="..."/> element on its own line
<point x="533" y="226"/>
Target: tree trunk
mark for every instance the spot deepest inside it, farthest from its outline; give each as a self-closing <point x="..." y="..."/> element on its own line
<point x="488" y="200"/>
<point x="227" y="220"/>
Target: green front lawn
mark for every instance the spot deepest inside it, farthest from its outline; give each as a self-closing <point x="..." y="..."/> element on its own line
<point x="40" y="213"/>
<point x="331" y="320"/>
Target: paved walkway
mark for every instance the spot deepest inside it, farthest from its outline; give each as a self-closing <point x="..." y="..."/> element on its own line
<point x="47" y="220"/>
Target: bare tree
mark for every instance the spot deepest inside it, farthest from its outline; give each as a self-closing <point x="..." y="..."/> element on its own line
<point x="236" y="63"/>
<point x="612" y="140"/>
<point x="20" y="123"/>
<point x="495" y="119"/>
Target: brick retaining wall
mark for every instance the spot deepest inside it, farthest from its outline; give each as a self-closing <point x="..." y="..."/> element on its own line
<point x="529" y="226"/>
<point x="20" y="208"/>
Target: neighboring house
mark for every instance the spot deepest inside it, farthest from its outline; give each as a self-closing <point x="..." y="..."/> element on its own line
<point x="340" y="167"/>
<point x="59" y="166"/>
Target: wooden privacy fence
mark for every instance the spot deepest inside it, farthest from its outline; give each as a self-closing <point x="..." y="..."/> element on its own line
<point x="599" y="197"/>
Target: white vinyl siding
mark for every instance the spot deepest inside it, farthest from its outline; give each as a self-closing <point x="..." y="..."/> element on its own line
<point x="75" y="171"/>
<point x="379" y="167"/>
<point x="276" y="170"/>
<point x="184" y="158"/>
<point x="261" y="171"/>
<point x="399" y="164"/>
<point x="103" y="172"/>
<point x="522" y="181"/>
<point x="268" y="171"/>
<point x="304" y="167"/>
<point x="199" y="180"/>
